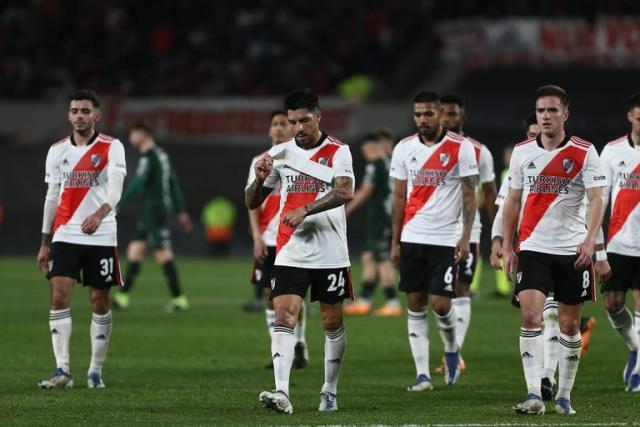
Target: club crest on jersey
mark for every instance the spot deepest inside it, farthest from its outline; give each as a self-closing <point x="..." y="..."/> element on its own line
<point x="323" y="160"/>
<point x="95" y="159"/>
<point x="444" y="158"/>
<point x="567" y="165"/>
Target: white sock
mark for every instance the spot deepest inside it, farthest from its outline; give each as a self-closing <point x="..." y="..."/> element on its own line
<point x="270" y="316"/>
<point x="570" y="348"/>
<point x="60" y="328"/>
<point x="551" y="336"/>
<point x="100" y="331"/>
<point x="447" y="328"/>
<point x="301" y="326"/>
<point x="334" y="345"/>
<point x="636" y="322"/>
<point x="282" y="346"/>
<point x="622" y="322"/>
<point x="463" y="314"/>
<point x="531" y="353"/>
<point x="419" y="340"/>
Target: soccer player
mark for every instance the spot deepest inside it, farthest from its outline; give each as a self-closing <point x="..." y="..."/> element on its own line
<point x="453" y="118"/>
<point x="84" y="173"/>
<point x="162" y="195"/>
<point x="316" y="175"/>
<point x="435" y="175"/>
<point x="548" y="179"/>
<point x="264" y="223"/>
<point x="375" y="194"/>
<point x="621" y="164"/>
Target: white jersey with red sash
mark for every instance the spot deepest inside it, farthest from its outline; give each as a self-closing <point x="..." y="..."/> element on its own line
<point x="269" y="210"/>
<point x="621" y="164"/>
<point x="320" y="241"/>
<point x="82" y="172"/>
<point x="434" y="192"/>
<point x="553" y="212"/>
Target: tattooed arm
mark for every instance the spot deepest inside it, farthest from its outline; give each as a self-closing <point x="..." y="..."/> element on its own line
<point x="255" y="193"/>
<point x="340" y="194"/>
<point x="398" y="204"/>
<point x="469" y="184"/>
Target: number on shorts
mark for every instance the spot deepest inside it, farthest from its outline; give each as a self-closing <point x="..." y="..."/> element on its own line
<point x="336" y="282"/>
<point x="448" y="276"/>
<point x="106" y="266"/>
<point x="586" y="278"/>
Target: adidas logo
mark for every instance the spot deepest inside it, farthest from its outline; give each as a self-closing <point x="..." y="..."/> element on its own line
<point x="54" y="331"/>
<point x="622" y="163"/>
<point x="448" y="288"/>
<point x="553" y="339"/>
<point x="341" y="292"/>
<point x="413" y="160"/>
<point x="65" y="162"/>
<point x="277" y="355"/>
<point x="109" y="279"/>
<point x="531" y="165"/>
<point x="584" y="293"/>
<point x="413" y="335"/>
<point x="101" y="337"/>
<point x="334" y="361"/>
<point x="573" y="358"/>
<point x="526" y="355"/>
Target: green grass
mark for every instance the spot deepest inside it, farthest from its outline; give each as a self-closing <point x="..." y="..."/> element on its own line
<point x="205" y="367"/>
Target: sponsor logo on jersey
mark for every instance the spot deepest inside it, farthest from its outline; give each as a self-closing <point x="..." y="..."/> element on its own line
<point x="548" y="184"/>
<point x="629" y="180"/>
<point x="428" y="176"/>
<point x="622" y="163"/>
<point x="413" y="160"/>
<point x="567" y="164"/>
<point x="302" y="183"/>
<point x="599" y="178"/>
<point x="65" y="162"/>
<point x="95" y="159"/>
<point x="531" y="165"/>
<point x="78" y="179"/>
<point x="444" y="158"/>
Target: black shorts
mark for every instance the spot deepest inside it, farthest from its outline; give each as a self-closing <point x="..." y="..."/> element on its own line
<point x="625" y="273"/>
<point x="427" y="268"/>
<point x="262" y="271"/>
<point x="555" y="274"/>
<point x="98" y="264"/>
<point x="154" y="231"/>
<point x="329" y="286"/>
<point x="467" y="268"/>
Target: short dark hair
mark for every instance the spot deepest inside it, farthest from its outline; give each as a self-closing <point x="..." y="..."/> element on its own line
<point x="530" y="120"/>
<point x="369" y="138"/>
<point x="86" y="94"/>
<point x="301" y="98"/>
<point x="425" y="96"/>
<point x="634" y="101"/>
<point x="553" y="90"/>
<point x="452" y="98"/>
<point x="385" y="133"/>
<point x="143" y="127"/>
<point x="277" y="113"/>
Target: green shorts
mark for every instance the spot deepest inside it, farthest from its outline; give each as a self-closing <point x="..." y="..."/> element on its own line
<point x="378" y="242"/>
<point x="154" y="231"/>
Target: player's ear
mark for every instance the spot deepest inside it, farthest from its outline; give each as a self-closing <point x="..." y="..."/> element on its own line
<point x="318" y="116"/>
<point x="98" y="115"/>
<point x="566" y="114"/>
<point x="629" y="117"/>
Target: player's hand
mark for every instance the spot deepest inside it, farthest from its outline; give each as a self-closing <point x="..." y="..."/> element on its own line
<point x="91" y="224"/>
<point x="510" y="262"/>
<point x="259" y="249"/>
<point x="395" y="254"/>
<point x="263" y="167"/>
<point x="462" y="250"/>
<point x="585" y="254"/>
<point x="43" y="258"/>
<point x="602" y="270"/>
<point x="294" y="217"/>
<point x="184" y="222"/>
<point x="496" y="253"/>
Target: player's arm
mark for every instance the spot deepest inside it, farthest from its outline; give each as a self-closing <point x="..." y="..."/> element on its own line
<point x="398" y="205"/>
<point x="512" y="205"/>
<point x="259" y="247"/>
<point x="496" y="239"/>
<point x="341" y="193"/>
<point x="488" y="181"/>
<point x="116" y="171"/>
<point x="257" y="191"/>
<point x="594" y="222"/>
<point x="360" y="197"/>
<point x="490" y="194"/>
<point x="469" y="206"/>
<point x="177" y="199"/>
<point x="48" y="217"/>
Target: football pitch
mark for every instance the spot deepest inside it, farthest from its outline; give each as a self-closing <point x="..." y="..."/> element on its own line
<point x="206" y="366"/>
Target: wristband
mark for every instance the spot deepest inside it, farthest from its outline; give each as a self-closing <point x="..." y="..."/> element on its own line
<point x="601" y="255"/>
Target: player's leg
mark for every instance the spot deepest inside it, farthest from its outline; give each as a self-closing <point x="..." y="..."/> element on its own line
<point x="636" y="303"/>
<point x="551" y="337"/>
<point x="301" y="353"/>
<point x="135" y="257"/>
<point x="334" y="348"/>
<point x="64" y="270"/>
<point x="462" y="301"/>
<point x="392" y="306"/>
<point x="570" y="348"/>
<point x="369" y="281"/>
<point x="164" y="256"/>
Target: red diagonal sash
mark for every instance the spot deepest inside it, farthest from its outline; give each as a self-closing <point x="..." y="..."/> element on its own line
<point x="626" y="201"/>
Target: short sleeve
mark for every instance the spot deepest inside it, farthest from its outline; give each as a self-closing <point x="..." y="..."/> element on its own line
<point x="515" y="177"/>
<point x="398" y="168"/>
<point x="592" y="174"/>
<point x="252" y="173"/>
<point x="369" y="173"/>
<point x="467" y="165"/>
<point x="502" y="193"/>
<point x="117" y="162"/>
<point x="605" y="163"/>
<point x="342" y="162"/>
<point x="52" y="167"/>
<point x="485" y="166"/>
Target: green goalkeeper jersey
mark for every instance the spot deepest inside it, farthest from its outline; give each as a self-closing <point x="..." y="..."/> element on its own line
<point x="158" y="183"/>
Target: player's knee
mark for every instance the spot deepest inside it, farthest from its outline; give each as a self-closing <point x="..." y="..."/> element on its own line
<point x="135" y="252"/>
<point x="100" y="302"/>
<point x="613" y="305"/>
<point x="163" y="255"/>
<point x="60" y="300"/>
<point x="285" y="317"/>
<point x="531" y="319"/>
<point x="331" y="321"/>
<point x="569" y="326"/>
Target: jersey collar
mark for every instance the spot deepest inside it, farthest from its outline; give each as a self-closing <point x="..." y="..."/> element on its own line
<point x="443" y="135"/>
<point x="630" y="141"/>
<point x="93" y="138"/>
<point x="323" y="136"/>
<point x="567" y="138"/>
